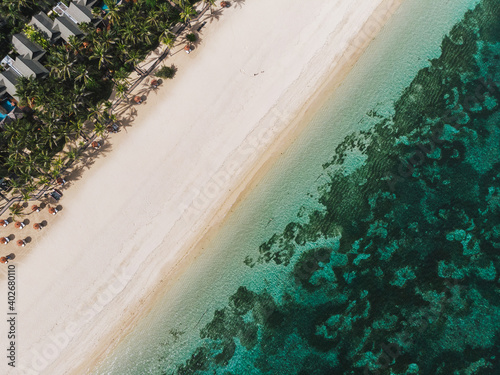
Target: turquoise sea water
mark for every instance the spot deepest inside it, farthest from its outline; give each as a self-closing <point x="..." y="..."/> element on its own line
<point x="373" y="245"/>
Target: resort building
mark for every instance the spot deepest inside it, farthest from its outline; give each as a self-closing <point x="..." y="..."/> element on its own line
<point x="45" y="25"/>
<point x="8" y="80"/>
<point x="26" y="48"/>
<point x="29" y="68"/>
<point x="27" y="64"/>
<point x="66" y="27"/>
<point x="81" y="13"/>
<point x="87" y="3"/>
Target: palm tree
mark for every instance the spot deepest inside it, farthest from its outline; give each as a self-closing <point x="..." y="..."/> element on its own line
<point x="74" y="45"/>
<point x="43" y="160"/>
<point x="145" y="33"/>
<point x="16" y="210"/>
<point x="187" y="13"/>
<point x="27" y="89"/>
<point x="72" y="154"/>
<point x="121" y="90"/>
<point x="25" y="194"/>
<point x="102" y="55"/>
<point x="82" y="74"/>
<point x="57" y="165"/>
<point x="113" y="14"/>
<point x="121" y="50"/>
<point x="105" y="39"/>
<point x="61" y="64"/>
<point x="13" y="163"/>
<point x="168" y="38"/>
<point x="153" y="18"/>
<point x="128" y="32"/>
<point x="95" y="112"/>
<point x="211" y="3"/>
<point x="99" y="129"/>
<point x="134" y="57"/>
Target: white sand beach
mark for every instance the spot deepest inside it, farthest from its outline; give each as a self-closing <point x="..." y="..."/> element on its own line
<point x="130" y="223"/>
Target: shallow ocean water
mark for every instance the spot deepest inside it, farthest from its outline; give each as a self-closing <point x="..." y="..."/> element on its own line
<point x="373" y="245"/>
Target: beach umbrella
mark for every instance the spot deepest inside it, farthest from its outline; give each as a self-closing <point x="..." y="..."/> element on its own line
<point x="52" y="210"/>
<point x="3" y="260"/>
<point x="154" y="83"/>
<point x="4" y="223"/>
<point x="187" y="48"/>
<point x="4" y="240"/>
<point x="37" y="226"/>
<point x="19" y="225"/>
<point x="137" y="99"/>
<point x="21" y="243"/>
<point x="35" y="208"/>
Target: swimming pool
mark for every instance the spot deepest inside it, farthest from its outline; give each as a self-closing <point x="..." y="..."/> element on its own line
<point x="105" y="7"/>
<point x="7" y="105"/>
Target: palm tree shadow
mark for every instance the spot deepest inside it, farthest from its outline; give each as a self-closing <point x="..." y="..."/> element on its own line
<point x="105" y="149"/>
<point x="214" y="16"/>
<point x="143" y="91"/>
<point x="238" y="2"/>
<point x="76" y="173"/>
<point x="87" y="160"/>
<point x="127" y="121"/>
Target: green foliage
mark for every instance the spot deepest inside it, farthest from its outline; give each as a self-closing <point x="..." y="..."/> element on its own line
<point x="191" y="37"/>
<point x="35" y="36"/>
<point x="16" y="210"/>
<point x="15" y="14"/>
<point x="83" y="74"/>
<point x="166" y="72"/>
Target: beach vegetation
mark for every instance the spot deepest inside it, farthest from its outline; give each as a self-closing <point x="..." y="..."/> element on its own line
<point x="82" y="76"/>
<point x="36" y="36"/>
<point x="15" y="15"/>
<point x="187" y="13"/>
<point x="16" y="210"/>
<point x="192" y="37"/>
<point x="167" y="71"/>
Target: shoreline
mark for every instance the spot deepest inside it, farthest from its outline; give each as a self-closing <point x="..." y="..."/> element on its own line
<point x="263" y="155"/>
